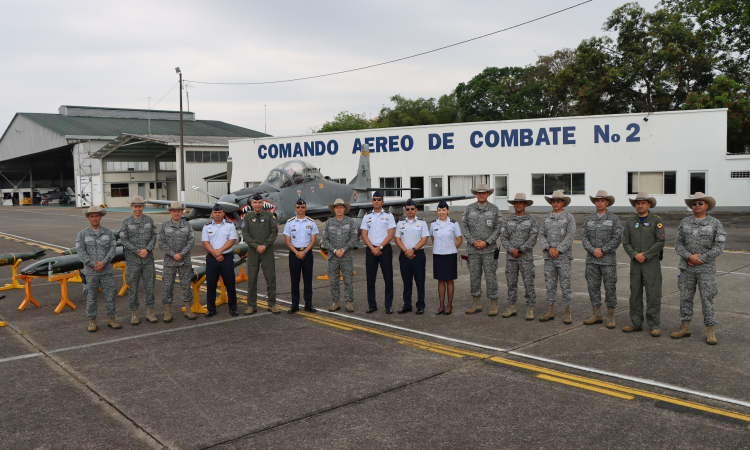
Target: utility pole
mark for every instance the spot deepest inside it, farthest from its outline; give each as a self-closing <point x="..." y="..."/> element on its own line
<point x="265" y="121"/>
<point x="180" y="158"/>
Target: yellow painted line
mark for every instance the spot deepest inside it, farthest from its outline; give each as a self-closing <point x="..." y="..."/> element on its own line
<point x="617" y="387"/>
<point x="424" y="347"/>
<point x="23" y="241"/>
<point x="584" y="386"/>
<point x="329" y="324"/>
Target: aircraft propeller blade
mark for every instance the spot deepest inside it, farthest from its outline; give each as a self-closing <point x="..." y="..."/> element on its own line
<point x="203" y="191"/>
<point x="229" y="174"/>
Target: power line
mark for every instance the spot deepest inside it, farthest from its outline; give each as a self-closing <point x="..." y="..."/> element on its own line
<point x="162" y="98"/>
<point x="405" y="57"/>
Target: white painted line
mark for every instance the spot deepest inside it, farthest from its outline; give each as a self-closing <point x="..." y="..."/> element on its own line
<point x="32" y="240"/>
<point x="15" y="358"/>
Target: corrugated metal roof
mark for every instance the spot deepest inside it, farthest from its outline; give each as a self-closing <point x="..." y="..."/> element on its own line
<point x="111" y="126"/>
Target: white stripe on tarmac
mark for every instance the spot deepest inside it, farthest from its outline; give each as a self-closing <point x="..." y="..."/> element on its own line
<point x="15" y="358"/>
<point x="32" y="240"/>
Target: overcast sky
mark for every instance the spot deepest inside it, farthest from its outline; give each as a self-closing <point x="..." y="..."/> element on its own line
<point x="119" y="54"/>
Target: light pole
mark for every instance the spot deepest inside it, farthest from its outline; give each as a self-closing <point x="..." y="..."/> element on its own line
<point x="180" y="158"/>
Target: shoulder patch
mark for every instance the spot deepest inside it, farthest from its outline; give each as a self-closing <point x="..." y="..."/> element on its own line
<point x="439" y="219"/>
<point x="453" y="220"/>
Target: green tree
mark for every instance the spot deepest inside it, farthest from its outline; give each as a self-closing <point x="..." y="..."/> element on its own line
<point x="727" y="93"/>
<point x="345" y="121"/>
<point x="408" y="112"/>
<point x="501" y="94"/>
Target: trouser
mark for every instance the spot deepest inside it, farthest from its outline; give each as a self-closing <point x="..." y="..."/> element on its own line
<point x="91" y="291"/>
<point x="385" y="260"/>
<point x="595" y="274"/>
<point x="413" y="270"/>
<point x="133" y="274"/>
<point x="341" y="267"/>
<point x="225" y="269"/>
<point x="646" y="275"/>
<point x="168" y="276"/>
<point x="483" y="262"/>
<point x="554" y="269"/>
<point x="305" y="267"/>
<point x="255" y="262"/>
<point x="528" y="272"/>
<point x="706" y="282"/>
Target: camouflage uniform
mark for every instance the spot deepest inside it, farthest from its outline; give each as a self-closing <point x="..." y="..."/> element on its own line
<point x="557" y="231"/>
<point x="520" y="232"/>
<point x="483" y="223"/>
<point x="137" y="234"/>
<point x="706" y="238"/>
<point x="604" y="232"/>
<point x="97" y="246"/>
<point x="176" y="237"/>
<point x="340" y="234"/>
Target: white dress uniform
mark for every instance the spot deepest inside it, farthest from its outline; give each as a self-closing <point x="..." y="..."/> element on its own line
<point x="410" y="232"/>
<point x="217" y="235"/>
<point x="377" y="226"/>
<point x="444" y="253"/>
<point x="300" y="232"/>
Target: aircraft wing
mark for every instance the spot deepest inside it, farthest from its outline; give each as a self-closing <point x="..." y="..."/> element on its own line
<point x="323" y="210"/>
<point x="189" y="205"/>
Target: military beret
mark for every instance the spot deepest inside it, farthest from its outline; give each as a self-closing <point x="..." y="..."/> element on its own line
<point x="410" y="202"/>
<point x="377" y="194"/>
<point x="442" y="204"/>
<point x="217" y="207"/>
<point x="301" y="201"/>
<point x="257" y="197"/>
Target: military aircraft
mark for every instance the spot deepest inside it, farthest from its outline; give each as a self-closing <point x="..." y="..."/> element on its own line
<point x="296" y="179"/>
<point x="64" y="195"/>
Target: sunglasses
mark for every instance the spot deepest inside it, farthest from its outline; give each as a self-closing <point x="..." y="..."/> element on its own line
<point x="377" y="199"/>
<point x="698" y="203"/>
<point x="300" y="206"/>
<point x="410" y="209"/>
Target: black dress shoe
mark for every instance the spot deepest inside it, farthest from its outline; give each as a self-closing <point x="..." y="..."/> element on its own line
<point x="293" y="310"/>
<point x="211" y="313"/>
<point x="233" y="312"/>
<point x="388" y="310"/>
<point x="402" y="310"/>
<point x="420" y="311"/>
<point x="310" y="309"/>
<point x="371" y="310"/>
<point x="440" y="311"/>
<point x="448" y="313"/>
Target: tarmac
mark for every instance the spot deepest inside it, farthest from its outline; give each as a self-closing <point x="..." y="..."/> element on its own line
<point x="369" y="381"/>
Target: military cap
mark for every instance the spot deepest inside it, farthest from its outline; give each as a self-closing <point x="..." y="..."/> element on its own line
<point x="217" y="207"/>
<point x="301" y="201"/>
<point x="700" y="196"/>
<point x="521" y="197"/>
<point x="175" y="206"/>
<point x="95" y="210"/>
<point x="643" y="196"/>
<point x="603" y="194"/>
<point x="257" y="197"/>
<point x="377" y="194"/>
<point x="339" y="201"/>
<point x="137" y="200"/>
<point x="558" y="195"/>
<point x="481" y="188"/>
<point x="410" y="202"/>
<point x="443" y="204"/>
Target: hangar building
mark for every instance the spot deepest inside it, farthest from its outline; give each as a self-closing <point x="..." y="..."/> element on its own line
<point x="669" y="155"/>
<point x="108" y="155"/>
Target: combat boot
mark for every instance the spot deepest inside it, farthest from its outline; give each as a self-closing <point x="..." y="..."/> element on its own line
<point x="134" y="318"/>
<point x="349" y="306"/>
<point x="511" y="311"/>
<point x="475" y="308"/>
<point x="611" y="318"/>
<point x="684" y="331"/>
<point x="530" y="313"/>
<point x="189" y="312"/>
<point x="568" y="316"/>
<point x="274" y="309"/>
<point x="92" y="326"/>
<point x="334" y="307"/>
<point x="493" y="307"/>
<point x="168" y="312"/>
<point x="549" y="315"/>
<point x="596" y="317"/>
<point x="150" y="315"/>
<point x="113" y="324"/>
<point x="710" y="335"/>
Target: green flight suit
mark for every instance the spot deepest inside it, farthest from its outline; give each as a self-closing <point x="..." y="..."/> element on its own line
<point x="260" y="229"/>
<point x="646" y="237"/>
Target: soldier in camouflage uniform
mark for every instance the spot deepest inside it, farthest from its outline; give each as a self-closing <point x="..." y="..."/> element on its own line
<point x="138" y="235"/>
<point x="518" y="235"/>
<point x="176" y="239"/>
<point x="700" y="239"/>
<point x="601" y="235"/>
<point x="643" y="241"/>
<point x="556" y="238"/>
<point x="96" y="247"/>
<point x="340" y="239"/>
<point x="481" y="225"/>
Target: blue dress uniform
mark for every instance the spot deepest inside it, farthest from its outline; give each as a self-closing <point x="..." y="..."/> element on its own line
<point x="301" y="232"/>
<point x="410" y="232"/>
<point x="377" y="226"/>
<point x="217" y="235"/>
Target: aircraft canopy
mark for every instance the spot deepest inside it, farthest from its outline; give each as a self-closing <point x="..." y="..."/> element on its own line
<point x="292" y="173"/>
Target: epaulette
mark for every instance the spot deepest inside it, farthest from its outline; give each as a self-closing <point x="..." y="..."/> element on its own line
<point x="370" y="212"/>
<point x="438" y="219"/>
<point x="291" y="218"/>
<point x="418" y="218"/>
<point x="453" y="220"/>
<point x="309" y="219"/>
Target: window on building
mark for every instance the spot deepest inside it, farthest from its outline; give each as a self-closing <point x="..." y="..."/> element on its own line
<point x="652" y="182"/>
<point x="119" y="190"/>
<point x="204" y="156"/>
<point x="548" y="183"/>
<point x="249" y="184"/>
<point x="127" y="166"/>
<point x="339" y="180"/>
<point x="151" y="185"/>
<point x="697" y="182"/>
<point x="189" y="156"/>
<point x="739" y="175"/>
<point x="386" y="183"/>
<point x="436" y="186"/>
<point x="167" y="165"/>
<point x="501" y="186"/>
<point x="463" y="184"/>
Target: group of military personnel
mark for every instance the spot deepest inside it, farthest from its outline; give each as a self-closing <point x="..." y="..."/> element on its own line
<point x="700" y="239"/>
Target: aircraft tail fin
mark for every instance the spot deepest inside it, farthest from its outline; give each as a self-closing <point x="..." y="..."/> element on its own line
<point x="363" y="180"/>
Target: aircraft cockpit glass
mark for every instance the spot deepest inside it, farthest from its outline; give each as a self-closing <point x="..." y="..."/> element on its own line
<point x="292" y="172"/>
<point x="278" y="179"/>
